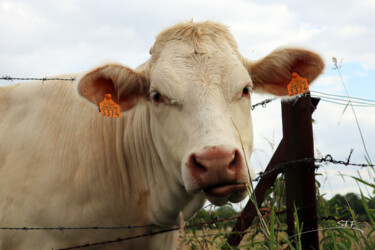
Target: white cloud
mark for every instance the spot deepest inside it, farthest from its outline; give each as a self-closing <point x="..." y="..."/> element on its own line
<point x="352" y="30"/>
<point x="329" y="83"/>
<point x="258" y="26"/>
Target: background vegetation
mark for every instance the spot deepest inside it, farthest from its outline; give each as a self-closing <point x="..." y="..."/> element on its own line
<point x="345" y="222"/>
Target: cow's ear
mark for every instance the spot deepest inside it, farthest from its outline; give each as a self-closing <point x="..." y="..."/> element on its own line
<point x="273" y="73"/>
<point x="124" y="84"/>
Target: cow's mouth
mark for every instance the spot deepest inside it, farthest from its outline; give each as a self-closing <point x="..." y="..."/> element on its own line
<point x="224" y="190"/>
<point x="221" y="194"/>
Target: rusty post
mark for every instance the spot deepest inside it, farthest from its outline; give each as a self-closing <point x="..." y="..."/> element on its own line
<point x="300" y="178"/>
<point x="265" y="183"/>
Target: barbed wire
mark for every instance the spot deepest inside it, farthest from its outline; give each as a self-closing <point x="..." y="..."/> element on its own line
<point x="120" y="239"/>
<point x="263" y="103"/>
<point x="43" y="79"/>
<point x="76" y="228"/>
<point x="108" y="228"/>
<point x="327" y="159"/>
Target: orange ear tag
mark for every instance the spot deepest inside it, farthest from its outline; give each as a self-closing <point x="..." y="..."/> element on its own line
<point x="297" y="85"/>
<point x="109" y="108"/>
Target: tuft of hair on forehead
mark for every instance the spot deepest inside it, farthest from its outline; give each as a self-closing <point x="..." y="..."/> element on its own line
<point x="193" y="33"/>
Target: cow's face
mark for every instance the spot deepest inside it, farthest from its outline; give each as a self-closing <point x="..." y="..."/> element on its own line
<point x="197" y="88"/>
<point x="200" y="118"/>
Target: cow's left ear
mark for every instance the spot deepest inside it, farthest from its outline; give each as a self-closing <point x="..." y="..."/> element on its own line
<point x="273" y="73"/>
<point x="124" y="84"/>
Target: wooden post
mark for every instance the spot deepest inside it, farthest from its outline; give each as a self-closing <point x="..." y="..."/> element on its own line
<point x="300" y="177"/>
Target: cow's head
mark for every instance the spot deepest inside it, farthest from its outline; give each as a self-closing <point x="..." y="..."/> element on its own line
<point x="197" y="88"/>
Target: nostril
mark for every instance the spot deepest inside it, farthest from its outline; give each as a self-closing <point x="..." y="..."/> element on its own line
<point x="235" y="164"/>
<point x="199" y="166"/>
<point x="195" y="165"/>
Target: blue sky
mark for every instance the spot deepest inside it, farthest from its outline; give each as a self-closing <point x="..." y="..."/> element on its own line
<point x="358" y="80"/>
<point x="43" y="38"/>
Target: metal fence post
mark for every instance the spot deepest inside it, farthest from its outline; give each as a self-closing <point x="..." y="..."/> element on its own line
<point x="300" y="177"/>
<point x="280" y="156"/>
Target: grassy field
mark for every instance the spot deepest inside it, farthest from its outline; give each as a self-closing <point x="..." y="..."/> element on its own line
<point x="330" y="238"/>
<point x="346" y="222"/>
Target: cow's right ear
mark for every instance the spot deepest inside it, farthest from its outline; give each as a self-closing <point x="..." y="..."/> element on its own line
<point x="124" y="84"/>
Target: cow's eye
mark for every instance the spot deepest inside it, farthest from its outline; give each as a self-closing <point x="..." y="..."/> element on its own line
<point x="156" y="97"/>
<point x="246" y="91"/>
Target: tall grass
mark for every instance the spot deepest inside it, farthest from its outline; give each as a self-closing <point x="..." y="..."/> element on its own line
<point x="341" y="228"/>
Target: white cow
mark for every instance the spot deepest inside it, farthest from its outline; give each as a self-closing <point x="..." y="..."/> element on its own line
<point x="185" y="136"/>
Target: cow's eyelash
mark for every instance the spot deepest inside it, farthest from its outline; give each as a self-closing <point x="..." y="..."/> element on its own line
<point x="158" y="98"/>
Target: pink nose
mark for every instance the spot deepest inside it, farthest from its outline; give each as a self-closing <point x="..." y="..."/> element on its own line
<point x="216" y="165"/>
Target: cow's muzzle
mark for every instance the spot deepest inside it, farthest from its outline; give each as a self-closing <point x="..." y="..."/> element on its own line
<point x="219" y="171"/>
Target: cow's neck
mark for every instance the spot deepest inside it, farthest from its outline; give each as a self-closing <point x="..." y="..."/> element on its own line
<point x="157" y="196"/>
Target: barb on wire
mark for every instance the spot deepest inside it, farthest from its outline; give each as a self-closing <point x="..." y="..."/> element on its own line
<point x="263" y="103"/>
<point x="277" y="168"/>
<point x="43" y="79"/>
<point x="328" y="158"/>
<point x="350" y="155"/>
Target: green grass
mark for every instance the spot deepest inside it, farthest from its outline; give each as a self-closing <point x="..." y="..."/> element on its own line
<point x="353" y="229"/>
